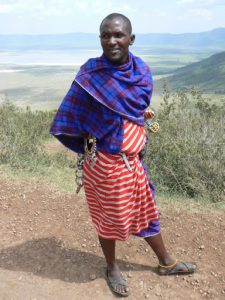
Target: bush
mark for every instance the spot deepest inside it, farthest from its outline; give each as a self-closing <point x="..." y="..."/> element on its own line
<point x="187" y="155"/>
<point x="23" y="133"/>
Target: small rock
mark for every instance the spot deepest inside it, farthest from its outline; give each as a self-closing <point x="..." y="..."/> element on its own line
<point x="141" y="283"/>
<point x="129" y="275"/>
<point x="202" y="247"/>
<point x="93" y="276"/>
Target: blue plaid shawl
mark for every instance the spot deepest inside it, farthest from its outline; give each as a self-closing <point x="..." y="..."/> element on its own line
<point x="100" y="97"/>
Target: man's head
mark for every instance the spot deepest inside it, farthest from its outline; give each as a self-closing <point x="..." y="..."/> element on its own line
<point x="116" y="37"/>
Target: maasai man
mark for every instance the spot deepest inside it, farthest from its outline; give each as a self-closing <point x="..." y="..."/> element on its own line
<point x="102" y="119"/>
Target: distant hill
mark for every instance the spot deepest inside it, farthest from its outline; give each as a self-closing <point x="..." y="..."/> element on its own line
<point x="214" y="39"/>
<point x="48" y="41"/>
<point x="208" y="75"/>
<point x="210" y="39"/>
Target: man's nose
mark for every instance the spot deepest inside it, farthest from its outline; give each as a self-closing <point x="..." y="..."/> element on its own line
<point x="112" y="40"/>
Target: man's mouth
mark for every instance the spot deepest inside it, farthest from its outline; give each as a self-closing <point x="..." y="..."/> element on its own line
<point x="114" y="51"/>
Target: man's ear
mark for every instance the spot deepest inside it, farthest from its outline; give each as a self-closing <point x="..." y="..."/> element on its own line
<point x="132" y="38"/>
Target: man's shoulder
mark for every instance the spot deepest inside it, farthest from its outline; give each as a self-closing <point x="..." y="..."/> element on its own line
<point x="138" y="61"/>
<point x="91" y="65"/>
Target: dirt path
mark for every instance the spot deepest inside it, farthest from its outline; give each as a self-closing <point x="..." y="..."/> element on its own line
<point x="49" y="250"/>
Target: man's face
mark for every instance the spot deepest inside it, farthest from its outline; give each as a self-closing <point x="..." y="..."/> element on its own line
<point x="115" y="40"/>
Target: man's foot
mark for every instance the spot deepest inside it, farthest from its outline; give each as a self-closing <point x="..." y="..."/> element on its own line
<point x="177" y="268"/>
<point x="116" y="281"/>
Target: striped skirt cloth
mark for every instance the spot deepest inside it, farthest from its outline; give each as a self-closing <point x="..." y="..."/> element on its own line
<point x="117" y="190"/>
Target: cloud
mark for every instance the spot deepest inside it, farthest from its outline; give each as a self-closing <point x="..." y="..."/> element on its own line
<point x="49" y="16"/>
<point x="161" y="14"/>
<point x="204" y="10"/>
<point x="4" y="9"/>
<point x="203" y="13"/>
<point x="7" y="1"/>
<point x="180" y="2"/>
<point x="201" y="3"/>
<point x="47" y="7"/>
<point x="8" y="6"/>
<point x="64" y="7"/>
<point x="15" y="7"/>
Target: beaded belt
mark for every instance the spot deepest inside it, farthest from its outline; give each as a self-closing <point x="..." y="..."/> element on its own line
<point x="90" y="153"/>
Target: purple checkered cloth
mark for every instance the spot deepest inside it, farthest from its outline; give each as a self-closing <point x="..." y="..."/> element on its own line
<point x="100" y="97"/>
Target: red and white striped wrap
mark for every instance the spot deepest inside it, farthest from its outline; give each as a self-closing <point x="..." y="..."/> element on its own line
<point x="120" y="201"/>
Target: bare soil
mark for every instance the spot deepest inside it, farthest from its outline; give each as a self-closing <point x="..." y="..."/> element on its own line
<point x="49" y="249"/>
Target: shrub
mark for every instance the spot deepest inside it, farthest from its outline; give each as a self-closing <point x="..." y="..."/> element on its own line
<point x="23" y="133"/>
<point x="187" y="155"/>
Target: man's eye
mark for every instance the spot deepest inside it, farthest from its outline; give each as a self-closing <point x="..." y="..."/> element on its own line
<point x="104" y="36"/>
<point x="118" y="35"/>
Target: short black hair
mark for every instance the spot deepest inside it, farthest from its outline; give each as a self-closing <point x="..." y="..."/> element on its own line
<point x="118" y="16"/>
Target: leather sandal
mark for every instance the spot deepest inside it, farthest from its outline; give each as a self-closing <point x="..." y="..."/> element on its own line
<point x="178" y="268"/>
<point x="114" y="282"/>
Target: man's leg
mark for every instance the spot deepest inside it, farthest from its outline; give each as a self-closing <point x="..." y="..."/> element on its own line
<point x="109" y="251"/>
<point x="167" y="263"/>
<point x="157" y="245"/>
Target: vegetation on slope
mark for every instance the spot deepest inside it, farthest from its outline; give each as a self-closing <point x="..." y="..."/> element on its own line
<point x="23" y="135"/>
<point x="208" y="75"/>
<point x="186" y="156"/>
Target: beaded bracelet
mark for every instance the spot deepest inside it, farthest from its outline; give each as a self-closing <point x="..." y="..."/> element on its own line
<point x="90" y="148"/>
<point x="152" y="127"/>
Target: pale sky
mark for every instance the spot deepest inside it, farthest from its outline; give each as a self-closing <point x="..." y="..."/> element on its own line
<point x="147" y="16"/>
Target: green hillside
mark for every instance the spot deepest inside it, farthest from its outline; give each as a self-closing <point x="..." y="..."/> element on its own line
<point x="208" y="75"/>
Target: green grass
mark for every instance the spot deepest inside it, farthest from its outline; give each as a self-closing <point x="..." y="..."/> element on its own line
<point x="192" y="205"/>
<point x="54" y="177"/>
